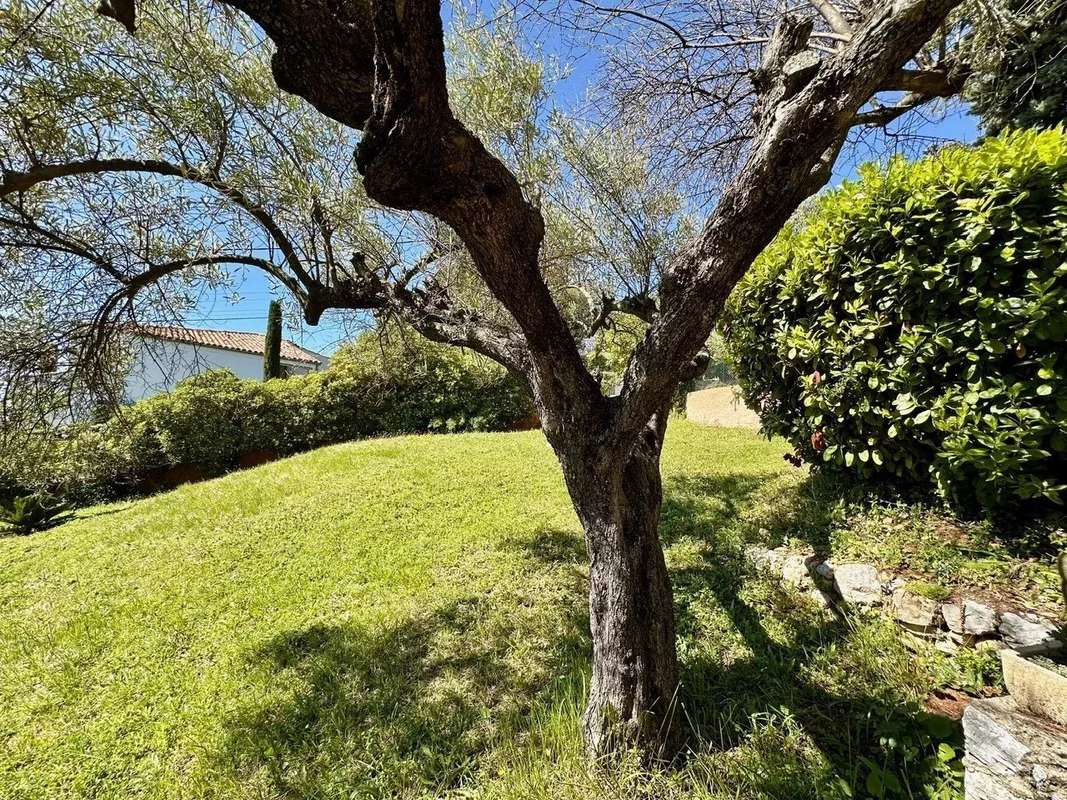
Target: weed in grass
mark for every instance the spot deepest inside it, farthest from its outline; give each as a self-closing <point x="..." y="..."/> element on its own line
<point x="974" y="670"/>
<point x="929" y="590"/>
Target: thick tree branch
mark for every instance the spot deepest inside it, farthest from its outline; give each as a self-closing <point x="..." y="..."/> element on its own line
<point x="942" y="80"/>
<point x="833" y="16"/>
<point x="879" y="116"/>
<point x="790" y="161"/>
<point x="416" y="155"/>
<point x="642" y="306"/>
<point x="920" y="87"/>
<point x="121" y="10"/>
<point x="363" y="292"/>
<point x="786" y="65"/>
<point x="325" y="52"/>
<point x="428" y="310"/>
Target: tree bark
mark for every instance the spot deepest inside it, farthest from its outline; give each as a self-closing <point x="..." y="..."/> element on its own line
<point x="631" y="615"/>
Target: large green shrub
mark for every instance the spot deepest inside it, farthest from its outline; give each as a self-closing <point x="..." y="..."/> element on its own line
<point x="913" y="325"/>
<point x="373" y="387"/>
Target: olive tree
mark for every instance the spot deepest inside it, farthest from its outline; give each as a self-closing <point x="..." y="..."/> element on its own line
<point x="779" y="89"/>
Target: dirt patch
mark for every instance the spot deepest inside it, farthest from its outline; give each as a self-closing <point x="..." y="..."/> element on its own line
<point x="948" y="703"/>
<point x="721" y="406"/>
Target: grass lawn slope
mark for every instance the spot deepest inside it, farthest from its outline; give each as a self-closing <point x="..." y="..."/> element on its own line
<point x="406" y="618"/>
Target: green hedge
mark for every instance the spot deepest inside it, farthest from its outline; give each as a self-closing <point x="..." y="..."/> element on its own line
<point x="912" y="326"/>
<point x="374" y="387"/>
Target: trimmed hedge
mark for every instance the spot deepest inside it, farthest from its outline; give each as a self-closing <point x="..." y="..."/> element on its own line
<point x="210" y="421"/>
<point x="913" y="326"/>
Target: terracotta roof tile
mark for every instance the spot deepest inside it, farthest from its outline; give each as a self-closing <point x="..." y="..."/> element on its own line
<point x="239" y="341"/>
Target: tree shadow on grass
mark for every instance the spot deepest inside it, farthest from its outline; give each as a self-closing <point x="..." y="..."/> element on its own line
<point x="404" y="709"/>
<point x="414" y="707"/>
<point x="701" y="507"/>
<point x="552" y="546"/>
<point x="775" y="654"/>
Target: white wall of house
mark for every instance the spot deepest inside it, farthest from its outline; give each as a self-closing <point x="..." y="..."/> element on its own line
<point x="159" y="366"/>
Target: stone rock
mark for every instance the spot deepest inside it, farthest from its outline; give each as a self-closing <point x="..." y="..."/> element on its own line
<point x="979" y="619"/>
<point x="821" y="598"/>
<point x="796" y="570"/>
<point x="1035" y="686"/>
<point x="858" y="584"/>
<point x="765" y="560"/>
<point x="915" y="610"/>
<point x="1011" y="755"/>
<point x="952" y="613"/>
<point x="947" y="646"/>
<point x="1025" y="630"/>
<point x="825" y="570"/>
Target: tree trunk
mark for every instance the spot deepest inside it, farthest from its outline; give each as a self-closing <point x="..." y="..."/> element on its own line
<point x="631" y="614"/>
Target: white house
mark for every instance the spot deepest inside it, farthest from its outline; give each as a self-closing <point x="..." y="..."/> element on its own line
<point x="165" y="356"/>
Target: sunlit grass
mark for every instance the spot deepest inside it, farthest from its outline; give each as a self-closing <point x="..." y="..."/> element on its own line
<point x="407" y="618"/>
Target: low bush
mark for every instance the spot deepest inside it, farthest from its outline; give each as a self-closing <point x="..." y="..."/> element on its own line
<point x="912" y="327"/>
<point x="376" y="386"/>
<point x="32" y="512"/>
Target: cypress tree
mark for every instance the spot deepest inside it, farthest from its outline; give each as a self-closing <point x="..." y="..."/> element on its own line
<point x="272" y="346"/>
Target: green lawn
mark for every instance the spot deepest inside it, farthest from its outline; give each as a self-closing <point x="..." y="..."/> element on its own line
<point x="406" y="618"/>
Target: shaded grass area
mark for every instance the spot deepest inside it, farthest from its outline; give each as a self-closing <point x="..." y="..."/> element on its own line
<point x="407" y="618"/>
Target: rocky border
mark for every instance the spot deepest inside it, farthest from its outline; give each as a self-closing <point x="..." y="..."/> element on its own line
<point x="1010" y="754"/>
<point x="962" y="622"/>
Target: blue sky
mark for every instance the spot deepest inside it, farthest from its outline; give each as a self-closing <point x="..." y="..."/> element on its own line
<point x="249" y="312"/>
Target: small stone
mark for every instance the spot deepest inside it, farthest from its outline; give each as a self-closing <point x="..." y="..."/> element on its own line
<point x="947" y="646"/>
<point x="915" y="610"/>
<point x="821" y="598"/>
<point x="953" y="616"/>
<point x="979" y="619"/>
<point x="795" y="571"/>
<point x="1025" y="630"/>
<point x="763" y="559"/>
<point x="858" y="584"/>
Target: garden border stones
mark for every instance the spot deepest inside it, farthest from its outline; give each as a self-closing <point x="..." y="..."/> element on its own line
<point x="966" y="621"/>
<point x="1011" y="753"/>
